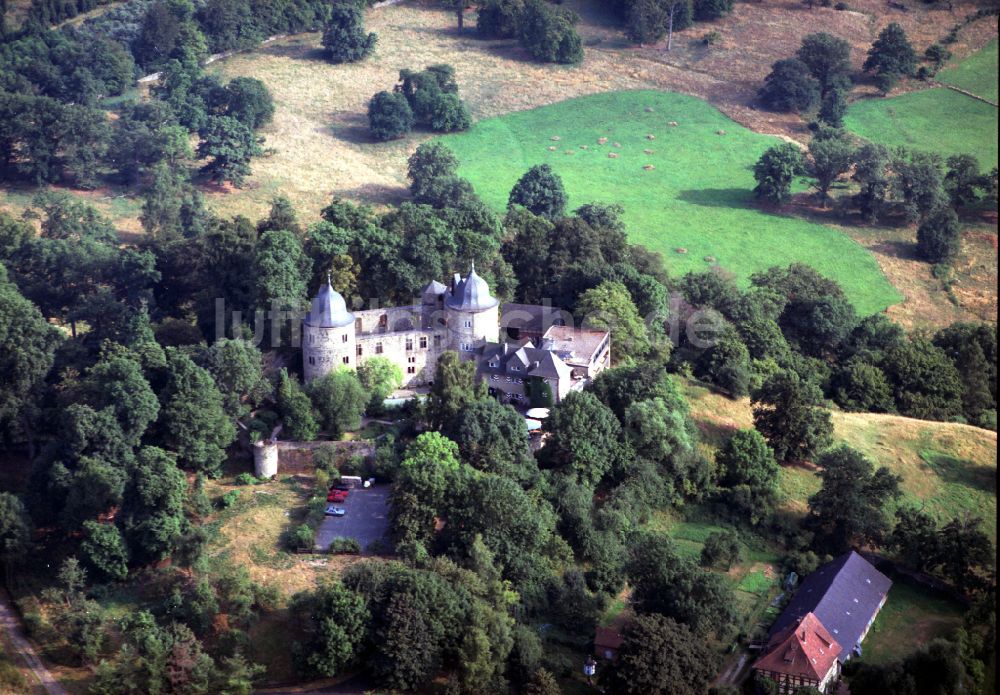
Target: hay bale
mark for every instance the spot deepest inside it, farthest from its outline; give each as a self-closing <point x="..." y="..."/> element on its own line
<point x="584" y="147"/>
<point x="555" y="138"/>
<point x="552" y="148"/>
<point x="649" y="167"/>
<point x="673" y="124"/>
<point x="570" y="152"/>
<point x="710" y="259"/>
<point x="649" y="151"/>
<point x="612" y="155"/>
<point x="649" y="109"/>
<point x="720" y="132"/>
<point x="650" y="137"/>
<point x="602" y="141"/>
<point x="617" y="144"/>
<point x="681" y="250"/>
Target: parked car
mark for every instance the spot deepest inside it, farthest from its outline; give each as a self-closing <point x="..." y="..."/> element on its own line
<point x="338" y="496"/>
<point x="341" y="486"/>
<point x="335" y="511"/>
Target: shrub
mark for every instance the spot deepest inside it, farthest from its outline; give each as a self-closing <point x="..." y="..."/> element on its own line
<point x="229" y="499"/>
<point x="790" y="87"/>
<point x="841" y="6"/>
<point x="499" y="19"/>
<point x="549" y="35"/>
<point x="325" y="458"/>
<point x="303" y="538"/>
<point x="389" y="116"/>
<point x="340" y="546"/>
<point x="711" y="38"/>
<point x="245" y="479"/>
<point x="711" y="9"/>
<point x="344" y="36"/>
<point x="939" y="235"/>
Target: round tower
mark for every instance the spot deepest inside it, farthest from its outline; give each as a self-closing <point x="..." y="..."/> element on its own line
<point x="328" y="340"/>
<point x="473" y="314"/>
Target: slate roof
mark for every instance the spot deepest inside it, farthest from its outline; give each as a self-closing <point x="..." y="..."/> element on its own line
<point x="844" y="594"/>
<point x="804" y="648"/>
<point x="530" y="360"/>
<point x="472" y="294"/>
<point x="328" y="309"/>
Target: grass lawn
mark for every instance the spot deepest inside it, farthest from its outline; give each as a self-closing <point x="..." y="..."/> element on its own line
<point x="912" y="617"/>
<point x="697" y="197"/>
<point x="948" y="469"/>
<point x="976" y="74"/>
<point x="935" y="120"/>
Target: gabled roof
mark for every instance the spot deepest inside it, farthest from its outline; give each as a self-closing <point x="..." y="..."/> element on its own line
<point x="608" y="638"/>
<point x="531" y="361"/>
<point x="804" y="648"/>
<point x="844" y="594"/>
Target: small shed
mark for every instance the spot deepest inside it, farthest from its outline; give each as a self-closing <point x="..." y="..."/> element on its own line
<point x="607" y="642"/>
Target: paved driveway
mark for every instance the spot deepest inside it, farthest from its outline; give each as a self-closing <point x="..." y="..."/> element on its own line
<point x="366" y="521"/>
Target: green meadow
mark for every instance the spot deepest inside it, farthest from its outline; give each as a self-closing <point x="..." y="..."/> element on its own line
<point x="976" y="74"/>
<point x="686" y="186"/>
<point x="933" y="120"/>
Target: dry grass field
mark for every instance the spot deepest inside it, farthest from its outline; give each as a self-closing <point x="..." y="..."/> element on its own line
<point x="948" y="469"/>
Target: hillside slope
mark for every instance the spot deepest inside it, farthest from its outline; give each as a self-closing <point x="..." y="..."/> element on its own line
<point x="948" y="469"/>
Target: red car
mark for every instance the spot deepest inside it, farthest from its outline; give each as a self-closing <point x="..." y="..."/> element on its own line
<point x="337" y="496"/>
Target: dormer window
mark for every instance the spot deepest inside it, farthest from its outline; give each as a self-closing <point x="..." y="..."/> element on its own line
<point x="468" y="323"/>
<point x="514" y="368"/>
<point x="493" y="365"/>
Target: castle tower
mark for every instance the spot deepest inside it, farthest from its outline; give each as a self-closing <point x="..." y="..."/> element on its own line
<point x="473" y="314"/>
<point x="328" y="339"/>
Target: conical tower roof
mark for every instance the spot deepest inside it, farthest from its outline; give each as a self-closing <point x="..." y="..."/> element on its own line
<point x="329" y="310"/>
<point x="472" y="294"/>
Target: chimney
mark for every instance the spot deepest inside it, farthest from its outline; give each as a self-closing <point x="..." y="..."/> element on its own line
<point x="455" y="280"/>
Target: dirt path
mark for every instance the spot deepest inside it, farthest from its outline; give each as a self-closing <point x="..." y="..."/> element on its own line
<point x="11" y="625"/>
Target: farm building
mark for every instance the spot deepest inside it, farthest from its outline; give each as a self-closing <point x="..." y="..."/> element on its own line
<point x="824" y="624"/>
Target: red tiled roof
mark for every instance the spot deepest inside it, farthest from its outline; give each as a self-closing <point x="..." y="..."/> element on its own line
<point x="608" y="638"/>
<point x="803" y="649"/>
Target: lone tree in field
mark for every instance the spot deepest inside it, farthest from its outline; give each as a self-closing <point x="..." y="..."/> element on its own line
<point x="648" y="21"/>
<point x="790" y="86"/>
<point x="831" y="157"/>
<point x="828" y="59"/>
<point x="344" y="36"/>
<point x="541" y="191"/>
<point x="850" y="508"/>
<point x="775" y="171"/>
<point x="389" y="116"/>
<point x="231" y="145"/>
<point x="938" y="236"/>
<point x="431" y="161"/>
<point x="458" y="7"/>
<point x="788" y="412"/>
<point x="549" y="34"/>
<point x="891" y="57"/>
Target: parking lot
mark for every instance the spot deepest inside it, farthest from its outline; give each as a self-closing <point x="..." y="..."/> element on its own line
<point x="366" y="521"/>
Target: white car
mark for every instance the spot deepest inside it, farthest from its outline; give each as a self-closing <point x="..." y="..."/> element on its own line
<point x="335" y="511"/>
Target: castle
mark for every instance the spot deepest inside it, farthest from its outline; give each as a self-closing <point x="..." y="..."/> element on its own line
<point x="526" y="353"/>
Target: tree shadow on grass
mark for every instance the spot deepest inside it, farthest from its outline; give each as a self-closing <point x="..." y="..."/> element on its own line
<point x="961" y="471"/>
<point x="717" y="197"/>
<point x="298" y="49"/>
<point x="375" y="193"/>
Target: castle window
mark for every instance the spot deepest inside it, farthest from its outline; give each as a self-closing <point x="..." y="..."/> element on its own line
<point x="437" y="341"/>
<point x="411" y="370"/>
<point x="312" y="360"/>
<point x="493" y="365"/>
<point x="357" y="325"/>
<point x="514" y="368"/>
<point x="343" y="338"/>
<point x="423" y="342"/>
<point x="411" y="360"/>
<point x="359" y="351"/>
<point x="468" y="323"/>
<point x="312" y="338"/>
<point x="409" y="343"/>
<point x="378" y="348"/>
<point x="347" y="360"/>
